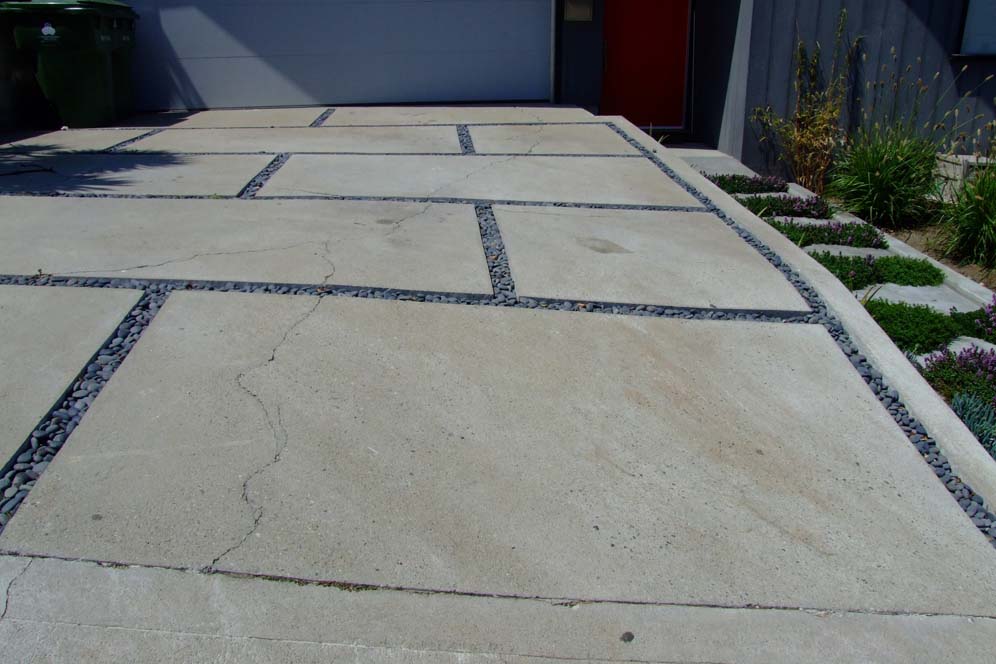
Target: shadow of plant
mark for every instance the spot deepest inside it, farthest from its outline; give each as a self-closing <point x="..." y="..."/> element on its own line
<point x="47" y="169"/>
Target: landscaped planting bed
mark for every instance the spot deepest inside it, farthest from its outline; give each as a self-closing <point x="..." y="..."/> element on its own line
<point x="813" y="207"/>
<point x="834" y="232"/>
<point x="749" y="184"/>
<point x="917" y="328"/>
<point x="860" y="271"/>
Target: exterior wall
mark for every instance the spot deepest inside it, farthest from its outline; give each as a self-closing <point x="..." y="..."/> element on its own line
<point x="579" y="58"/>
<point x="223" y="53"/>
<point x="926" y="29"/>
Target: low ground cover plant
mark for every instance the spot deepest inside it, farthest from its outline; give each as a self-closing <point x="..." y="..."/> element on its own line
<point x="979" y="416"/>
<point x="850" y="235"/>
<point x="749" y="184"/>
<point x="860" y="271"/>
<point x="917" y="328"/>
<point x="813" y="207"/>
<point x="972" y="371"/>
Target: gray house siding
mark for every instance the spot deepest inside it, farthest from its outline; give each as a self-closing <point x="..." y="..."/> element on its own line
<point x="926" y="29"/>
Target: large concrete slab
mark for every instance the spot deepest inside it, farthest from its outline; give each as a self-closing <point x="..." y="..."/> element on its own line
<point x="688" y="259"/>
<point x="337" y="139"/>
<point x="387" y="245"/>
<point x="421" y="115"/>
<point x="84" y="612"/>
<point x="68" y="141"/>
<point x="48" y="335"/>
<point x="514" y="452"/>
<point x="144" y="174"/>
<point x="550" y="139"/>
<point x="546" y="179"/>
<point x="242" y="117"/>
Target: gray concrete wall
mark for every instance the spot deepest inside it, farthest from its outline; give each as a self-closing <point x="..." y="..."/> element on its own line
<point x="925" y="33"/>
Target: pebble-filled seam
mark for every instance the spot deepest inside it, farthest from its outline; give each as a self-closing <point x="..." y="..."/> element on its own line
<point x="972" y="503"/>
<point x="320" y="120"/>
<point x="255" y="184"/>
<point x="123" y="144"/>
<point x="466" y="140"/>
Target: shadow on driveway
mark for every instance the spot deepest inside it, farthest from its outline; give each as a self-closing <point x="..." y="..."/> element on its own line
<point x="47" y="170"/>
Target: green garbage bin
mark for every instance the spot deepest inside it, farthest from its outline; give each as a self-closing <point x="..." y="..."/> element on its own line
<point x="82" y="53"/>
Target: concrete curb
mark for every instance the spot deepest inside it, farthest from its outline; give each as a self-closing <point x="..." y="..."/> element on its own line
<point x="968" y="459"/>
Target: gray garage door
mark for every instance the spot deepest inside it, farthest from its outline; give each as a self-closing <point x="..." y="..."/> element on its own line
<point x="231" y="53"/>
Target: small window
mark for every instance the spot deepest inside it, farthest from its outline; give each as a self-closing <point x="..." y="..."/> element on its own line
<point x="979" y="34"/>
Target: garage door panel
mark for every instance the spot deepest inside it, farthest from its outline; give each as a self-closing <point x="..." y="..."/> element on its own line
<point x="270" y="52"/>
<point x="220" y="81"/>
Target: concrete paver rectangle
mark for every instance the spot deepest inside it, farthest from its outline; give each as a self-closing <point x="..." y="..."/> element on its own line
<point x="543" y="179"/>
<point x="337" y="139"/>
<point x="422" y="115"/>
<point x="141" y="174"/>
<point x="383" y="245"/>
<point x="77" y="139"/>
<point x="78" y="610"/>
<point x="550" y="139"/>
<point x="687" y="259"/>
<point x="237" y="117"/>
<point x="514" y="452"/>
<point x="48" y="335"/>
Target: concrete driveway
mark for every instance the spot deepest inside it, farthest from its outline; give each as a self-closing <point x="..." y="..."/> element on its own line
<point x="422" y="385"/>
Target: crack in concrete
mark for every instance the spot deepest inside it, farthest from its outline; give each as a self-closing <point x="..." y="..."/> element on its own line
<point x="275" y="422"/>
<point x="354" y="646"/>
<point x="193" y="257"/>
<point x="10" y="586"/>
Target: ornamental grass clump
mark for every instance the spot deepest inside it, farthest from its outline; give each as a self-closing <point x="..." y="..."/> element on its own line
<point x="749" y="184"/>
<point x="970" y="220"/>
<point x="812" y="207"/>
<point x="808" y="139"/>
<point x="886" y="176"/>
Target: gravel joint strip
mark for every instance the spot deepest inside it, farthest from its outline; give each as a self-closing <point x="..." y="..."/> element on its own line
<point x="466" y="140"/>
<point x="972" y="503"/>
<point x="320" y="120"/>
<point x="257" y="183"/>
<point x="123" y="144"/>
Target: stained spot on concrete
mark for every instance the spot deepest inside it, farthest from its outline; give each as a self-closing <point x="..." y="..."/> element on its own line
<point x="601" y="246"/>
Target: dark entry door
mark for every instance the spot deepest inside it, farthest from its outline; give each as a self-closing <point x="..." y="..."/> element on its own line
<point x="646" y="61"/>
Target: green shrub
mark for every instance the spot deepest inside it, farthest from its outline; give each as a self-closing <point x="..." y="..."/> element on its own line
<point x="914" y="328"/>
<point x="749" y="184"/>
<point x="860" y="271"/>
<point x="886" y="176"/>
<point x="849" y="235"/>
<point x="979" y="416"/>
<point x="813" y="207"/>
<point x="970" y="220"/>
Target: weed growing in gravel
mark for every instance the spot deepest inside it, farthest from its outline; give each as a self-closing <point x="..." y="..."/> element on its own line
<point x="850" y="235"/>
<point x="860" y="271"/>
<point x="788" y="206"/>
<point x="749" y="184"/>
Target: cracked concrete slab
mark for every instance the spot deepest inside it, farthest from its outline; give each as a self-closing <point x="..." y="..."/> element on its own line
<point x="144" y="174"/>
<point x="72" y="609"/>
<point x="235" y="117"/>
<point x="550" y="139"/>
<point x="421" y="115"/>
<point x="337" y="139"/>
<point x="551" y="179"/>
<point x="383" y="245"/>
<point x="479" y="450"/>
<point x="687" y="259"/>
<point x="77" y="139"/>
<point x="48" y="335"/>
